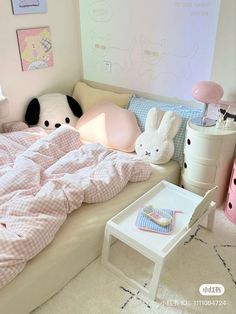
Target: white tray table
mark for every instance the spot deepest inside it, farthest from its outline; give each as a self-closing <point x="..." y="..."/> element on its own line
<point x="154" y="246"/>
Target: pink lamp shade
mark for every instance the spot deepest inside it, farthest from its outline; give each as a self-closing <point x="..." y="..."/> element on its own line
<point x="207" y="92"/>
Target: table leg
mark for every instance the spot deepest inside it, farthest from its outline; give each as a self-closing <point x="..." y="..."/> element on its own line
<point x="155" y="279"/>
<point x="210" y="220"/>
<point x="106" y="246"/>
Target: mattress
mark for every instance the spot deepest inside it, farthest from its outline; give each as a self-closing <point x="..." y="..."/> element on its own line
<point x="76" y="244"/>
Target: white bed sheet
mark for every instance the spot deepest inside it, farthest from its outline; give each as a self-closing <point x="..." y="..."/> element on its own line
<point x="77" y="243"/>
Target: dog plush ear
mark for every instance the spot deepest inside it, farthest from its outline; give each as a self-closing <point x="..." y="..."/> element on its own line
<point x="32" y="112"/>
<point x="74" y="106"/>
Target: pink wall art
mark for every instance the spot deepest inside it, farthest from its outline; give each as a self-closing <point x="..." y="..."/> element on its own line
<point x="35" y="47"/>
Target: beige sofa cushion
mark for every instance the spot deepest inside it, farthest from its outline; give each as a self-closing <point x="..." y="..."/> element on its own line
<point x="88" y="96"/>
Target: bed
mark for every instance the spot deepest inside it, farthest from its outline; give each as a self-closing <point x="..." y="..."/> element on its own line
<point x="77" y="243"/>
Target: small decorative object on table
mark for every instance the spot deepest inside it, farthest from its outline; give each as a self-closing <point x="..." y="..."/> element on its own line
<point x="159" y="220"/>
<point x="226" y="115"/>
<point x="157" y="215"/>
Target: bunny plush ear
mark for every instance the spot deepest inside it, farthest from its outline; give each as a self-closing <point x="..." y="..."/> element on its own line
<point x="153" y="119"/>
<point x="169" y="126"/>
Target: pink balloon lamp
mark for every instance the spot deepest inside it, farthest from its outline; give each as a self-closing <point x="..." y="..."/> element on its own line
<point x="207" y="92"/>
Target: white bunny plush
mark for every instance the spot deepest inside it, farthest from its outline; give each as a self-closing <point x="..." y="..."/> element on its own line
<point x="156" y="144"/>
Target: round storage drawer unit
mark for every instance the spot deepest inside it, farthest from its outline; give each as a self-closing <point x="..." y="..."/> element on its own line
<point x="198" y="170"/>
<point x="230" y="204"/>
<point x="230" y="207"/>
<point x="195" y="186"/>
<point x="232" y="186"/>
<point x="208" y="156"/>
<point x="199" y="145"/>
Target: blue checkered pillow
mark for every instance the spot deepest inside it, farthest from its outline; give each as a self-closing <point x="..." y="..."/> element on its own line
<point x="140" y="107"/>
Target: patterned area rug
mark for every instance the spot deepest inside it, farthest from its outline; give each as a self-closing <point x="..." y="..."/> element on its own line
<point x="205" y="257"/>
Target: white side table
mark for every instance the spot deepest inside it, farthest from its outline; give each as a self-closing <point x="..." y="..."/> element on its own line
<point x="154" y="246"/>
<point x="208" y="159"/>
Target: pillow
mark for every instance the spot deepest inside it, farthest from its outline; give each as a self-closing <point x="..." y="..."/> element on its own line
<point x="88" y="96"/>
<point x="14" y="126"/>
<point x="156" y="143"/>
<point x="140" y="107"/>
<point x="110" y="125"/>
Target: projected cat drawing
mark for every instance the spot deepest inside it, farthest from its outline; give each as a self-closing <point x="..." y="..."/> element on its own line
<point x="156" y="60"/>
<point x="102" y="48"/>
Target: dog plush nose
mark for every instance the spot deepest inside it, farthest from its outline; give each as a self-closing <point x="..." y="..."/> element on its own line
<point x="57" y="125"/>
<point x="147" y="153"/>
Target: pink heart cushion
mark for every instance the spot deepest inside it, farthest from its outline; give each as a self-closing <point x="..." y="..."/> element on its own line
<point x="110" y="125"/>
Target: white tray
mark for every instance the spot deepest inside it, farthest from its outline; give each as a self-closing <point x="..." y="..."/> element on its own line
<point x="164" y="195"/>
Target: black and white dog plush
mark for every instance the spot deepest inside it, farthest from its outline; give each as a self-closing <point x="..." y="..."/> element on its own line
<point x="50" y="111"/>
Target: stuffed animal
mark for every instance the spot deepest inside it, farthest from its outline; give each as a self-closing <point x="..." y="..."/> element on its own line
<point x="156" y="144"/>
<point x="50" y="111"/>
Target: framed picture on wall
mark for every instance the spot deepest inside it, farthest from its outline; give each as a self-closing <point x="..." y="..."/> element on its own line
<point x="28" y="6"/>
<point x="35" y="46"/>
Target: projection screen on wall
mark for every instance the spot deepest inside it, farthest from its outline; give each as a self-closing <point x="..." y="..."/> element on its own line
<point x="154" y="46"/>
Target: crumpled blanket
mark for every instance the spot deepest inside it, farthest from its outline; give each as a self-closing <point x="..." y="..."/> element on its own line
<point x="40" y="185"/>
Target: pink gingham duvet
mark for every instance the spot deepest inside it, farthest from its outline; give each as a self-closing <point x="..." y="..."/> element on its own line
<point x="45" y="177"/>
